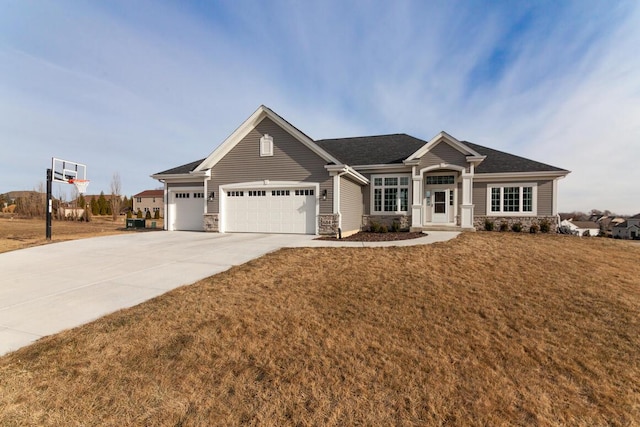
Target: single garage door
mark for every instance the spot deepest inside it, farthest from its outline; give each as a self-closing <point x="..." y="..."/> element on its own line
<point x="188" y="210"/>
<point x="283" y="210"/>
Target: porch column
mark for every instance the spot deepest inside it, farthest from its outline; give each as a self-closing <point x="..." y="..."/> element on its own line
<point x="466" y="209"/>
<point x="416" y="205"/>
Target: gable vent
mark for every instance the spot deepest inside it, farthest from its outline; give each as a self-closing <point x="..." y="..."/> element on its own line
<point x="266" y="145"/>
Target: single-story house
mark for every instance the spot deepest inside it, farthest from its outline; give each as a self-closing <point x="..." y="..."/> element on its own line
<point x="629" y="229"/>
<point x="581" y="228"/>
<point x="268" y="176"/>
<point x="149" y="201"/>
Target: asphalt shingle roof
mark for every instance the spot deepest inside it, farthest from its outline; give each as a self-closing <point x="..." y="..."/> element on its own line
<point x="182" y="169"/>
<point x="501" y="162"/>
<point x="394" y="148"/>
<point x="372" y="150"/>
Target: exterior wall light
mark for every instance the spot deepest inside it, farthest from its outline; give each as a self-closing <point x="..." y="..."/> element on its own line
<point x="324" y="194"/>
<point x="212" y="196"/>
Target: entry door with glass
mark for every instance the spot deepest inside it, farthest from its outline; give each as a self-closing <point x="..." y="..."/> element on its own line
<point x="440" y="206"/>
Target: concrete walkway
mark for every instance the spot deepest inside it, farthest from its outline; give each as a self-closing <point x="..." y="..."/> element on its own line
<point x="47" y="289"/>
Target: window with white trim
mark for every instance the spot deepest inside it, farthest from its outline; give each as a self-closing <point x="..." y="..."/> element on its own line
<point x="266" y="145"/>
<point x="390" y="194"/>
<point x="512" y="199"/>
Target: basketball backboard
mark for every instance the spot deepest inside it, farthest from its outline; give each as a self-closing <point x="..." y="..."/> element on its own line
<point x="64" y="170"/>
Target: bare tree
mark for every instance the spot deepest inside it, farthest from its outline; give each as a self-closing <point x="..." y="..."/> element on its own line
<point x="116" y="200"/>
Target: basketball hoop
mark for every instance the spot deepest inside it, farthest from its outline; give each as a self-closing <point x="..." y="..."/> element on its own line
<point x="81" y="184"/>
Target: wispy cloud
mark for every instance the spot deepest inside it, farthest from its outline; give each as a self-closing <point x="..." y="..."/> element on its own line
<point x="140" y="87"/>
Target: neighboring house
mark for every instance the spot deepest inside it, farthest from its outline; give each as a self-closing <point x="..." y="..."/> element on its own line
<point x="149" y="201"/>
<point x="581" y="227"/>
<point x="268" y="176"/>
<point x="629" y="229"/>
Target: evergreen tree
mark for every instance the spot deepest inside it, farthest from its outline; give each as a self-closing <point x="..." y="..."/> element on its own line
<point x="139" y="213"/>
<point x="95" y="210"/>
<point x="102" y="204"/>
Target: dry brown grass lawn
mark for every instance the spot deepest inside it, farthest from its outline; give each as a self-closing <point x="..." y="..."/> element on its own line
<point x="22" y="233"/>
<point x="488" y="329"/>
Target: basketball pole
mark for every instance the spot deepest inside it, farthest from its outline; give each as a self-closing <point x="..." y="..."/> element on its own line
<point x="48" y="207"/>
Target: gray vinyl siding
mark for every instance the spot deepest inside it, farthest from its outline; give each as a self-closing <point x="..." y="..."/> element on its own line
<point x="291" y="161"/>
<point x="443" y="153"/>
<point x="366" y="196"/>
<point x="479" y="198"/>
<point x="351" y="204"/>
<point x="545" y="196"/>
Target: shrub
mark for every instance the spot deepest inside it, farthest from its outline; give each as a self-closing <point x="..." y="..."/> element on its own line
<point x="374" y="227"/>
<point x="504" y="226"/>
<point x="516" y="227"/>
<point x="129" y="214"/>
<point x="395" y="226"/>
<point x="545" y="226"/>
<point x="488" y="225"/>
<point x="148" y="215"/>
<point x="383" y="229"/>
<point x="139" y="214"/>
<point x="586" y="233"/>
<point x="534" y="228"/>
<point x="156" y="215"/>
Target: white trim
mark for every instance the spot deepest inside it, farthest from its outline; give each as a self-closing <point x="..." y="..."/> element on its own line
<point x="248" y="125"/>
<point x="519" y="175"/>
<point x="171" y="207"/>
<point x="409" y="187"/>
<point x="398" y="166"/>
<point x="183" y="177"/>
<point x="344" y="169"/>
<point x="521" y="185"/>
<point x="429" y="169"/>
<point x="453" y="142"/>
<point x="336" y="194"/>
<point x="265" y="184"/>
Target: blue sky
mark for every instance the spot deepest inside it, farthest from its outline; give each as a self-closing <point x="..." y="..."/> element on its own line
<point x="135" y="88"/>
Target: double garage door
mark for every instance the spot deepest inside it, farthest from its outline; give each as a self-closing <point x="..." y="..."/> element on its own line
<point x="281" y="210"/>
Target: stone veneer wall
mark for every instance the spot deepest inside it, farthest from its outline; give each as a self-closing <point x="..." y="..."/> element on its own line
<point x="526" y="221"/>
<point x="211" y="222"/>
<point x="388" y="220"/>
<point x="328" y="224"/>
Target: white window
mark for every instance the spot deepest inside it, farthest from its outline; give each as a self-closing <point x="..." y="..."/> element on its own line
<point x="512" y="199"/>
<point x="266" y="145"/>
<point x="390" y="194"/>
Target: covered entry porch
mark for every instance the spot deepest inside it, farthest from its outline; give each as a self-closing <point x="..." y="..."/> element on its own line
<point x="442" y="198"/>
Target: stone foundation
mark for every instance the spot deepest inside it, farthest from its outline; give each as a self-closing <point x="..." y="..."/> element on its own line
<point x="211" y="222"/>
<point x="328" y="224"/>
<point x="526" y="221"/>
<point x="403" y="220"/>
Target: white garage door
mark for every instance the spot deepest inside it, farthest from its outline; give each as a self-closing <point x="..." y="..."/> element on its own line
<point x="188" y="210"/>
<point x="285" y="210"/>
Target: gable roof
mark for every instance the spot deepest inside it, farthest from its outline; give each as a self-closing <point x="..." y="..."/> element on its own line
<point x="636" y="216"/>
<point x="249" y="124"/>
<point x="501" y="162"/>
<point x="369" y="150"/>
<point x="150" y="193"/>
<point x="372" y="150"/>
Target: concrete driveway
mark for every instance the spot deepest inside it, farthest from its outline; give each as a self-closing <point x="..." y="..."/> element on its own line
<point x="46" y="289"/>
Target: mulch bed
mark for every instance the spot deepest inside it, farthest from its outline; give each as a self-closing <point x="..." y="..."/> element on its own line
<point x="366" y="236"/>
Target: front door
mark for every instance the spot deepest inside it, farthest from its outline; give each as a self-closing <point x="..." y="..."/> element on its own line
<point x="440" y="206"/>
